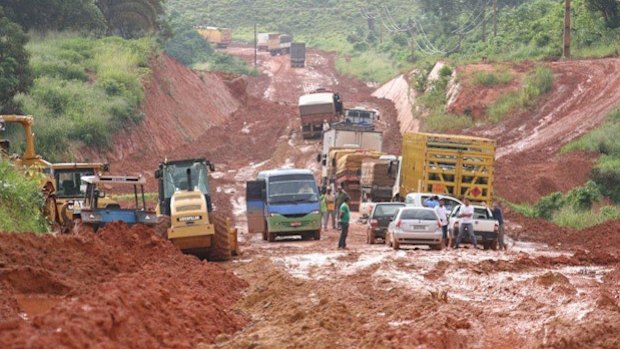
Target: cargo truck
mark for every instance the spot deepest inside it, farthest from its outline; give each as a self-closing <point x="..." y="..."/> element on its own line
<point x="347" y="137"/>
<point x="220" y="37"/>
<point x="349" y="171"/>
<point x="279" y="44"/>
<point x="262" y="41"/>
<point x="458" y="166"/>
<point x="376" y="183"/>
<point x="298" y="55"/>
<point x="316" y="109"/>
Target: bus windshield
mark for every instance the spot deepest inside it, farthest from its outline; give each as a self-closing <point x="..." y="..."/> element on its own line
<point x="295" y="188"/>
<point x="175" y="178"/>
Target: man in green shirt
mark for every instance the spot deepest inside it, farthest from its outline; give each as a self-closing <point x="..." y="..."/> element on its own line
<point x="345" y="217"/>
<point x="340" y="196"/>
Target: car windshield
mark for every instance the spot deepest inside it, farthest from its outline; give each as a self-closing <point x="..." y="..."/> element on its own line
<point x="299" y="188"/>
<point x="423" y="215"/>
<point x="175" y="178"/>
<point x="69" y="183"/>
<point x="386" y="210"/>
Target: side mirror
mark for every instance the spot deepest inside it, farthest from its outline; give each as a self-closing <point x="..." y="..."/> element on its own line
<point x="158" y="174"/>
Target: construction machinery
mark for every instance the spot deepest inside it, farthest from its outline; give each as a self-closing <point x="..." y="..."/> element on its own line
<point x="95" y="214"/>
<point x="458" y="166"/>
<point x="220" y="37"/>
<point x="32" y="164"/>
<point x="185" y="211"/>
<point x="70" y="190"/>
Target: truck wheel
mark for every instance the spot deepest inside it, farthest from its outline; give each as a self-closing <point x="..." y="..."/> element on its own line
<point x="486" y="245"/>
<point x="220" y="247"/>
<point x="271" y="237"/>
<point x="437" y="247"/>
<point x="494" y="245"/>
<point x="317" y="235"/>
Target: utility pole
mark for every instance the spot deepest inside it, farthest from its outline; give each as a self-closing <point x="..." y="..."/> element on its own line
<point x="484" y="24"/>
<point x="255" y="45"/>
<point x="566" y="28"/>
<point x="494" y="18"/>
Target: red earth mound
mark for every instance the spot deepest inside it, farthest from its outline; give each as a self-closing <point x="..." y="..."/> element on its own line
<point x="122" y="288"/>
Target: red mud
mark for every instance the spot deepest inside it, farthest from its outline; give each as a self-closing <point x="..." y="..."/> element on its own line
<point x="122" y="288"/>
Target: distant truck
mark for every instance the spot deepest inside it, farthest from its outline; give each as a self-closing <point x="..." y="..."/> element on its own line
<point x="361" y="116"/>
<point x="298" y="55"/>
<point x="347" y="137"/>
<point x="284" y="203"/>
<point x="348" y="174"/>
<point x="262" y="41"/>
<point x="376" y="182"/>
<point x="458" y="166"/>
<point x="316" y="109"/>
<point x="220" y="37"/>
<point x="279" y="44"/>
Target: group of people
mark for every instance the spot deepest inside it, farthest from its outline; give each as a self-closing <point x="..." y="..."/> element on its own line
<point x="466" y="213"/>
<point x="335" y="207"/>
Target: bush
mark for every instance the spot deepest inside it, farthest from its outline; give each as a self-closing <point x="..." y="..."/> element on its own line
<point x="582" y="198"/>
<point x="488" y="79"/>
<point x="188" y="47"/>
<point x="547" y="205"/>
<point x="20" y="202"/>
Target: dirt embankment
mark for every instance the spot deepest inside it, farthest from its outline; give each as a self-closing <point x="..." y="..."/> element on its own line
<point x="121" y="288"/>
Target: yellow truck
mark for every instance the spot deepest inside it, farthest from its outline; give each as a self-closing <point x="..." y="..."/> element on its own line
<point x="458" y="166"/>
<point x="220" y="37"/>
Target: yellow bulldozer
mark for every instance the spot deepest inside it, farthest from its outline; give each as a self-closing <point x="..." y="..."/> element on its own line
<point x="32" y="164"/>
<point x="185" y="211"/>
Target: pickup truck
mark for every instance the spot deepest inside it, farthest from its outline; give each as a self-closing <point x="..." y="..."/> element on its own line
<point x="486" y="227"/>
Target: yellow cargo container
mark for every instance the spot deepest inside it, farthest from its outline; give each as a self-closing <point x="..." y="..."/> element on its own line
<point x="221" y="37"/>
<point x="459" y="166"/>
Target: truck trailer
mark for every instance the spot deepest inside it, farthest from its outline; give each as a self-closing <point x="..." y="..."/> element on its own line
<point x="316" y="109"/>
<point x="220" y="37"/>
<point x="298" y="55"/>
<point x="347" y="137"/>
<point x="458" y="166"/>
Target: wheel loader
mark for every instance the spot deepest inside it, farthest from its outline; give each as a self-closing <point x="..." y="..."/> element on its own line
<point x="32" y="164"/>
<point x="185" y="211"/>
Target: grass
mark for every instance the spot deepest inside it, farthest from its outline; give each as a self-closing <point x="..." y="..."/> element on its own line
<point x="20" y="202"/>
<point x="439" y="121"/>
<point x="537" y="83"/>
<point x="569" y="217"/>
<point x="492" y="78"/>
<point x="84" y="90"/>
<point x="367" y="66"/>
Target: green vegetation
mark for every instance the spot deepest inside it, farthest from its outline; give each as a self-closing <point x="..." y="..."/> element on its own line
<point x="84" y="89"/>
<point x="20" y="202"/>
<point x="537" y="83"/>
<point x="15" y="74"/>
<point x="574" y="209"/>
<point x="605" y="141"/>
<point x="491" y="78"/>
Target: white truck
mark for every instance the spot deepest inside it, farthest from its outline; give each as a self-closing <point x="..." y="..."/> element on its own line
<point x="262" y="41"/>
<point x="347" y="138"/>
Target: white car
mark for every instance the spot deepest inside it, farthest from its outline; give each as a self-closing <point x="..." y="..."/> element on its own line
<point x="486" y="227"/>
<point x="417" y="200"/>
<point x="415" y="226"/>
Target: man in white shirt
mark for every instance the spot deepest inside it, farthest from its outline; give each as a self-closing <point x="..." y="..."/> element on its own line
<point x="442" y="213"/>
<point x="466" y="213"/>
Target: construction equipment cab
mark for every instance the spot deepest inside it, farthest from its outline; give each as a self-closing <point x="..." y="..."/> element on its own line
<point x="186" y="210"/>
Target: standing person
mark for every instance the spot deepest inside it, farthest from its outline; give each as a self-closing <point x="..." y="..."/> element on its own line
<point x="323" y="209"/>
<point x="466" y="213"/>
<point x="442" y="213"/>
<point x="497" y="214"/>
<point x="345" y="217"/>
<point x="397" y="198"/>
<point x="340" y="196"/>
<point x="330" y="199"/>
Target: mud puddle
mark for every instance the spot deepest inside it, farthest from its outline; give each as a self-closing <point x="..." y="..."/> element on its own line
<point x="32" y="305"/>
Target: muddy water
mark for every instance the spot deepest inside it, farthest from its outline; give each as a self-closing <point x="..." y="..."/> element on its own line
<point x="37" y="304"/>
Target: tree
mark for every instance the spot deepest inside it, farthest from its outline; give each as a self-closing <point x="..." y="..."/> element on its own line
<point x="15" y="75"/>
<point x="44" y="15"/>
<point x="608" y="9"/>
<point x="132" y="18"/>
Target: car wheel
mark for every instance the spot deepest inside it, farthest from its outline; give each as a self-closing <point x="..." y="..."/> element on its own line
<point x="388" y="240"/>
<point x="371" y="238"/>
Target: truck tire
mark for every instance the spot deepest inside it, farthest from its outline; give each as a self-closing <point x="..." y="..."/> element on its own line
<point x="494" y="245"/>
<point x="317" y="235"/>
<point x="220" y="247"/>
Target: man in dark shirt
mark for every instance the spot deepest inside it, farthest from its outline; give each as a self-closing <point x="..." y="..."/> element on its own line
<point x="497" y="214"/>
